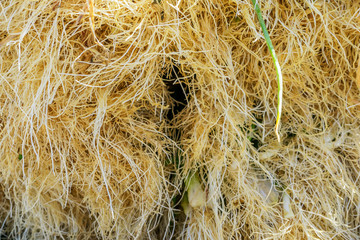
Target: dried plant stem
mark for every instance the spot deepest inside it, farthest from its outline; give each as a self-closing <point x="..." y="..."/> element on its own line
<point x="92" y="23"/>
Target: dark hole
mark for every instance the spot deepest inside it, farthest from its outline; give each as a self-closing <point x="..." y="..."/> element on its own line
<point x="255" y="142"/>
<point x="178" y="88"/>
<point x="291" y="134"/>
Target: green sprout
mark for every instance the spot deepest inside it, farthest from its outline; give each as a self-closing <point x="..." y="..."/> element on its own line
<point x="277" y="66"/>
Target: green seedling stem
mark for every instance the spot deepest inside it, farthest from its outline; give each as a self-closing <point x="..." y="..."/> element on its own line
<point x="277" y="66"/>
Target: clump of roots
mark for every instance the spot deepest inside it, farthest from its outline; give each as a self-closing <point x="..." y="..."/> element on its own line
<point x="87" y="119"/>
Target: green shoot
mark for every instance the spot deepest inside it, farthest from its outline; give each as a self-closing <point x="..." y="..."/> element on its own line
<point x="277" y="66"/>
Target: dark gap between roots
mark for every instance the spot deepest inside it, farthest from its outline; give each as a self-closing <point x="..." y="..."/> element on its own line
<point x="178" y="88"/>
<point x="177" y="82"/>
